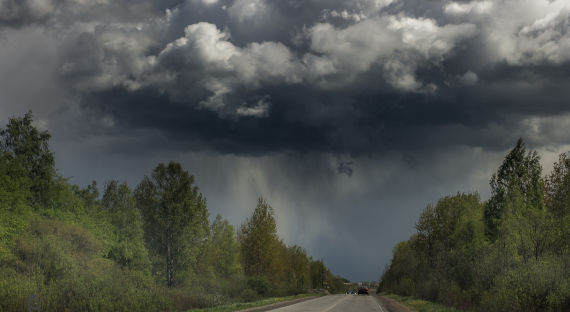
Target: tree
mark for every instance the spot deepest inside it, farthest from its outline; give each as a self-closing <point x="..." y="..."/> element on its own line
<point x="518" y="175"/>
<point x="557" y="198"/>
<point x="318" y="273"/>
<point x="119" y="204"/>
<point x="259" y="241"/>
<point x="300" y="268"/>
<point x="175" y="217"/>
<point x="90" y="196"/>
<point x="27" y="151"/>
<point x="226" y="248"/>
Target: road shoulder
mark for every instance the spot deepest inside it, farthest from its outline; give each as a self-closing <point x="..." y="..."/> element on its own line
<point x="279" y="304"/>
<point x="391" y="305"/>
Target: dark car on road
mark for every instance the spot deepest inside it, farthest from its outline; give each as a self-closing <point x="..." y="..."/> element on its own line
<point x="363" y="290"/>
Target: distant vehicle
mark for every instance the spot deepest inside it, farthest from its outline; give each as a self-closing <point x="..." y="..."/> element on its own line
<point x="363" y="290"/>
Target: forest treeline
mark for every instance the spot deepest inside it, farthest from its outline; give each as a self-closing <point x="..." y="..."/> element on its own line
<point x="121" y="249"/>
<point x="509" y="253"/>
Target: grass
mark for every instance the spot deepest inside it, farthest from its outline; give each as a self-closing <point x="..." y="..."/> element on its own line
<point x="420" y="305"/>
<point x="247" y="305"/>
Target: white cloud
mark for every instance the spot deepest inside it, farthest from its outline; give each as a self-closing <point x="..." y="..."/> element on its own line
<point x="546" y="39"/>
<point x="344" y="14"/>
<point x="521" y="32"/>
<point x="390" y="41"/>
<point x="260" y="109"/>
<point x="203" y="43"/>
<point x="266" y="62"/>
<point x="355" y="48"/>
<point x="221" y="66"/>
<point x="474" y="7"/>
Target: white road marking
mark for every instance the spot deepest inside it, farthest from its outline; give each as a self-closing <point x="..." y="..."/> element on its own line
<point x="380" y="306"/>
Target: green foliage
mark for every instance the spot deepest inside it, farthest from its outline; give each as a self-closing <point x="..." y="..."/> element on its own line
<point x="175" y="218"/>
<point x="128" y="248"/>
<point x="226" y="252"/>
<point x="533" y="286"/>
<point x="260" y="284"/>
<point x="557" y="197"/>
<point x="518" y="178"/>
<point x="259" y="241"/>
<point x="508" y="254"/>
<point x="421" y="305"/>
<point x="151" y="250"/>
<point x="271" y="267"/>
<point x="59" y="263"/>
<point x="318" y="274"/>
<point x="26" y="151"/>
<point x="300" y="272"/>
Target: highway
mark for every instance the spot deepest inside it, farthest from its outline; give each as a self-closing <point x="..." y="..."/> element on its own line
<point x="336" y="303"/>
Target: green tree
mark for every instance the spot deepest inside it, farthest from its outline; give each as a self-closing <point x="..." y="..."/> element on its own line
<point x="27" y="151"/>
<point x="518" y="176"/>
<point x="259" y="242"/>
<point x="557" y="198"/>
<point x="175" y="218"/>
<point x="318" y="274"/>
<point x="90" y="196"/>
<point x="226" y="248"/>
<point x="128" y="249"/>
<point x="300" y="272"/>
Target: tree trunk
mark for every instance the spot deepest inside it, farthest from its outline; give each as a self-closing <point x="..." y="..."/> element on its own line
<point x="169" y="263"/>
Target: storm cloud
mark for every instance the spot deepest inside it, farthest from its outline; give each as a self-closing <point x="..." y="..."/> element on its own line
<point x="306" y="97"/>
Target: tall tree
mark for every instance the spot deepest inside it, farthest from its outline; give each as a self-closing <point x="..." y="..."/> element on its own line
<point x="226" y="248"/>
<point x="318" y="274"/>
<point x="557" y="198"/>
<point x="518" y="179"/>
<point x="259" y="241"/>
<point x="557" y="187"/>
<point x="27" y="151"/>
<point x="300" y="268"/>
<point x="175" y="216"/>
<point x="128" y="250"/>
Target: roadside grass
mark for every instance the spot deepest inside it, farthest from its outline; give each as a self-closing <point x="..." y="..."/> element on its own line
<point x="254" y="304"/>
<point x="420" y="305"/>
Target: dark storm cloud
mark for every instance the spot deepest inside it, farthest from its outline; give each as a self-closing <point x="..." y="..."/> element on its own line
<point x="344" y="77"/>
<point x="345" y="167"/>
<point x="331" y="109"/>
<point x="195" y="129"/>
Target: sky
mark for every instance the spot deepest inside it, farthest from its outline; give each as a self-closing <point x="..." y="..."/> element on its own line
<point x="348" y="116"/>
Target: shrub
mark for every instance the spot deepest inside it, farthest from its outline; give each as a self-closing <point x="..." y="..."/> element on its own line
<point x="260" y="284"/>
<point x="534" y="286"/>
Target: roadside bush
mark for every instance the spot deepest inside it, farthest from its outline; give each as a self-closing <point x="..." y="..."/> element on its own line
<point x="260" y="284"/>
<point x="405" y="287"/>
<point x="249" y="295"/>
<point x="62" y="265"/>
<point x="534" y="286"/>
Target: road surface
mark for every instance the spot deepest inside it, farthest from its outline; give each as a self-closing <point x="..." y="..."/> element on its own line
<point x="336" y="303"/>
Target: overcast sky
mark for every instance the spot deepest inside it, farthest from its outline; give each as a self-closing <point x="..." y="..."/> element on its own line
<point x="349" y="116"/>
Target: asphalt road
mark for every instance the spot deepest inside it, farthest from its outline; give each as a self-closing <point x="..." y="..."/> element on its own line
<point x="337" y="303"/>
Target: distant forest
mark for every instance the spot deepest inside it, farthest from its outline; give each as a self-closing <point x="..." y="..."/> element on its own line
<point x="119" y="249"/>
<point x="509" y="253"/>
